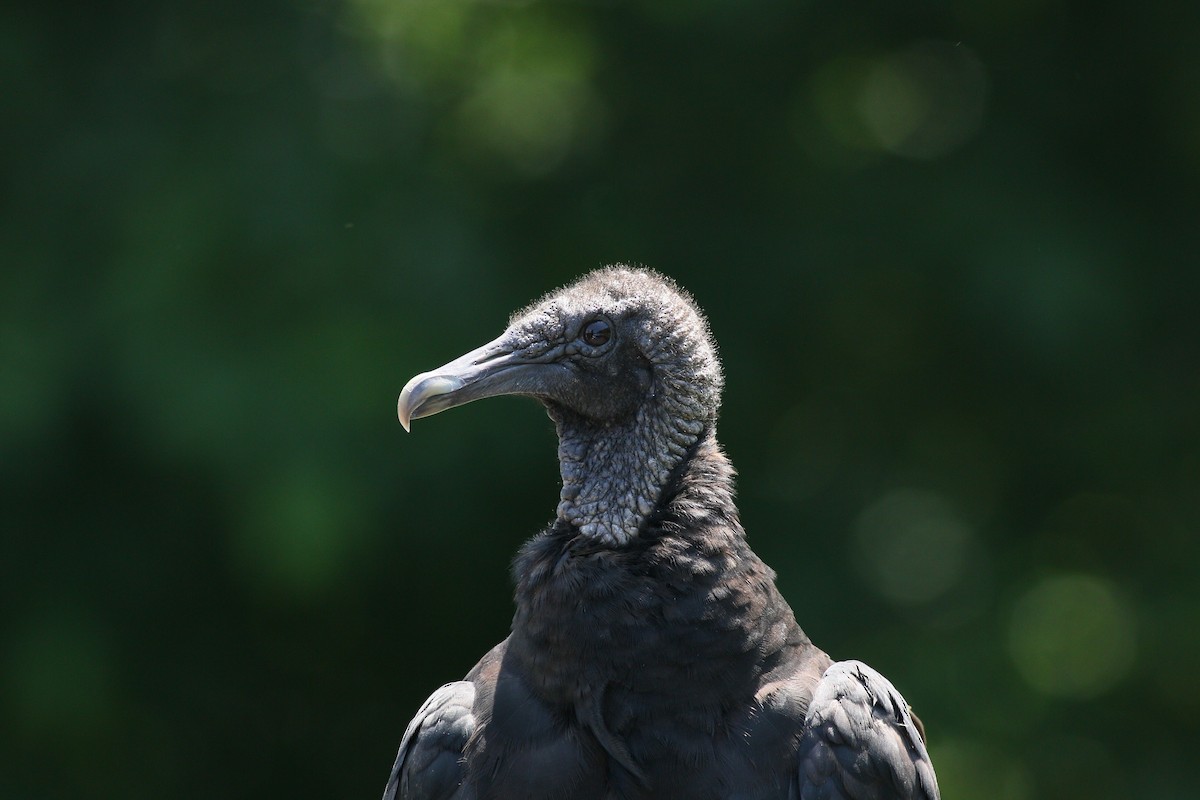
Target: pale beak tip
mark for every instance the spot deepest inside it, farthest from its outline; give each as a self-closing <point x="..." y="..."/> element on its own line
<point x="403" y="412"/>
<point x="414" y="401"/>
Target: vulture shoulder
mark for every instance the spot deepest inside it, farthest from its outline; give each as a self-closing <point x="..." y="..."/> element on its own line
<point x="861" y="740"/>
<point x="428" y="763"/>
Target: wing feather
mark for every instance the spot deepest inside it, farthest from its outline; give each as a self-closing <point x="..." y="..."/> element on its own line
<point x="862" y="742"/>
<point x="428" y="764"/>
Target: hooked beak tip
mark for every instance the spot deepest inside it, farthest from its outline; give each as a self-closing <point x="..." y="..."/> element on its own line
<point x="419" y="391"/>
<point x="404" y="408"/>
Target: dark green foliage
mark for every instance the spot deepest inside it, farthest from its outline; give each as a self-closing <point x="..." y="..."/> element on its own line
<point x="949" y="252"/>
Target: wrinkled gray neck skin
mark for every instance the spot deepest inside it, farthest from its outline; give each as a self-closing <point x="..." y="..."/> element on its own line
<point x="614" y="475"/>
<point x="614" y="471"/>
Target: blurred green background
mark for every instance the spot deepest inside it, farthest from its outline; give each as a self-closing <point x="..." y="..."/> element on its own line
<point x="950" y="251"/>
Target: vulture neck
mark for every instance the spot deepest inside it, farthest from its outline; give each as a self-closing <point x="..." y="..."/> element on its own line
<point x="614" y="473"/>
<point x="589" y="615"/>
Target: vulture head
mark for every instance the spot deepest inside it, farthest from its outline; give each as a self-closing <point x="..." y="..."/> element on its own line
<point x="625" y="365"/>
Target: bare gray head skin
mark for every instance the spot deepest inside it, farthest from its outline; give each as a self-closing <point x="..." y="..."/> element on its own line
<point x="625" y="365"/>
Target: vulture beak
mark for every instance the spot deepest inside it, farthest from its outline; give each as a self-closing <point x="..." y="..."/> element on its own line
<point x="488" y="371"/>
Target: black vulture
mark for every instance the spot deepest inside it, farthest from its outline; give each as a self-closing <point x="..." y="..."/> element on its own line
<point x="650" y="655"/>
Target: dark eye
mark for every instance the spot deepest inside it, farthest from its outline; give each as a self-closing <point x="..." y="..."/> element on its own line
<point x="596" y="333"/>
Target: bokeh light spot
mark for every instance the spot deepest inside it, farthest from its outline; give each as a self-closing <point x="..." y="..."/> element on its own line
<point x="1072" y="636"/>
<point x="893" y="104"/>
<point x="911" y="546"/>
<point x="923" y="101"/>
<point x="521" y="81"/>
<point x="531" y="119"/>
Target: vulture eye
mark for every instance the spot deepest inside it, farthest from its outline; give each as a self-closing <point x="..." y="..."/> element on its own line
<point x="596" y="332"/>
